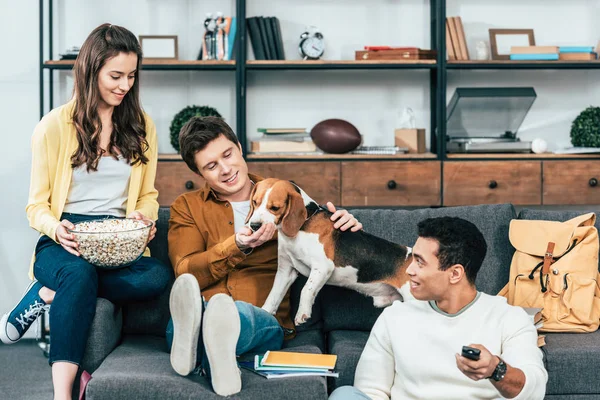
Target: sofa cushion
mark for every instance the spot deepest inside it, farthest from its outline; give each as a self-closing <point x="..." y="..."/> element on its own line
<point x="140" y="369"/>
<point x="344" y="310"/>
<point x="348" y="346"/>
<point x="572" y="361"/>
<point x="553" y="215"/>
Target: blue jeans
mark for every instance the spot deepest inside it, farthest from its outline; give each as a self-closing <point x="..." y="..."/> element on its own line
<point x="259" y="332"/>
<point x="78" y="284"/>
<point x="348" y="393"/>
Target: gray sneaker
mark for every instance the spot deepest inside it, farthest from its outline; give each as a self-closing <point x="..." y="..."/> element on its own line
<point x="185" y="303"/>
<point x="220" y="332"/>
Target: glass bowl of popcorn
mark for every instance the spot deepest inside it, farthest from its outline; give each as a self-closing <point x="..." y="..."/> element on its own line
<point x="112" y="242"/>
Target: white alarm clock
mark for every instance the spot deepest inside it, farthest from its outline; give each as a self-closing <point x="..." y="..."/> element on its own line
<point x="312" y="44"/>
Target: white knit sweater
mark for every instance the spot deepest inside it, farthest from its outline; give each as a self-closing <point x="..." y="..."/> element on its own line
<point x="410" y="352"/>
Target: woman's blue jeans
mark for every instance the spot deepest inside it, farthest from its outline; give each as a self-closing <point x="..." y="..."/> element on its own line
<point x="78" y="284"/>
<point x="259" y="332"/>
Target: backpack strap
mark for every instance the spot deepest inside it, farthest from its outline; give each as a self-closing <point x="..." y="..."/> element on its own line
<point x="548" y="258"/>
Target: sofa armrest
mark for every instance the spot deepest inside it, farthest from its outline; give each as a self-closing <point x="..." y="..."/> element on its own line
<point x="105" y="334"/>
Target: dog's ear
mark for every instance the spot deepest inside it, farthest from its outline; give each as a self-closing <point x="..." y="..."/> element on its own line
<point x="251" y="203"/>
<point x="295" y="215"/>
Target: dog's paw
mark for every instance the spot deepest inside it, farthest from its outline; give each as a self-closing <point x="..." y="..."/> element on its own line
<point x="301" y="318"/>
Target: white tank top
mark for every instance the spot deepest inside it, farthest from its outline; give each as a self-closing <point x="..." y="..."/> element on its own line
<point x="101" y="192"/>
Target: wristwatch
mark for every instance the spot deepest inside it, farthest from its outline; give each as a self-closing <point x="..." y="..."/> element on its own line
<point x="499" y="372"/>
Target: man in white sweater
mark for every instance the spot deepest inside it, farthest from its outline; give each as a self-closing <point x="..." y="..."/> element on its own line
<point x="414" y="350"/>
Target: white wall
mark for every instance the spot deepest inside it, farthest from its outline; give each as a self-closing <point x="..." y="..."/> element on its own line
<point x="369" y="99"/>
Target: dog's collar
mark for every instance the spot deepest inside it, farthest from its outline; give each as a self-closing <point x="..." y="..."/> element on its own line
<point x="312" y="209"/>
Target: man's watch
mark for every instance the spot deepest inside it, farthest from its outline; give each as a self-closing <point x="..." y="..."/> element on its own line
<point x="499" y="372"/>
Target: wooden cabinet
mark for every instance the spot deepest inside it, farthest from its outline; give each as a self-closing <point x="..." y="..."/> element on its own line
<point x="491" y="182"/>
<point x="571" y="182"/>
<point x="319" y="179"/>
<point x="365" y="183"/>
<point x="390" y="183"/>
<point x="174" y="178"/>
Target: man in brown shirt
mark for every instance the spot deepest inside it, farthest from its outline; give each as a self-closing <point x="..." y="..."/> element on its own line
<point x="213" y="253"/>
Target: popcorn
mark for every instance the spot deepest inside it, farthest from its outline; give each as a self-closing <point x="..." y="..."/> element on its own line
<point x="111" y="243"/>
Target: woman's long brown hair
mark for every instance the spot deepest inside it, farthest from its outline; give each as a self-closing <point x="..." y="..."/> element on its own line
<point x="129" y="126"/>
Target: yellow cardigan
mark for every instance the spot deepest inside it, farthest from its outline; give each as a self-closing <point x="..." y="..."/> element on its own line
<point x="53" y="143"/>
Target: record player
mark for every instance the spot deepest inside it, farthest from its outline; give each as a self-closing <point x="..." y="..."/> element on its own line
<point x="486" y="120"/>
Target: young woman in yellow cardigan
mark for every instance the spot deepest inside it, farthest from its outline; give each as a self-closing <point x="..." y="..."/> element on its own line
<point x="94" y="157"/>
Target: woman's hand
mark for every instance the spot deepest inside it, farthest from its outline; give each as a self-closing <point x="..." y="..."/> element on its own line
<point x="343" y="219"/>
<point x="66" y="239"/>
<point x="139" y="216"/>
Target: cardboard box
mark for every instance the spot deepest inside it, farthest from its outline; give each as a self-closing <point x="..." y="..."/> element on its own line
<point x="414" y="139"/>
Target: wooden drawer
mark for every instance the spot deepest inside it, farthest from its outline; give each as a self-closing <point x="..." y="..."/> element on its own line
<point x="571" y="182"/>
<point x="391" y="183"/>
<point x="492" y="182"/>
<point x="174" y="178"/>
<point x="320" y="180"/>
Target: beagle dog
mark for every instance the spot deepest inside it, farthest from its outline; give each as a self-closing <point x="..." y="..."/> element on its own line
<point x="309" y="244"/>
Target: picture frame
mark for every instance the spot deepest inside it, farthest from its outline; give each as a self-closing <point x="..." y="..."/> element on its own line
<point x="159" y="47"/>
<point x="501" y="40"/>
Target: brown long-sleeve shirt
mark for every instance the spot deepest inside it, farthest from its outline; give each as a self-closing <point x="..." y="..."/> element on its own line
<point x="202" y="243"/>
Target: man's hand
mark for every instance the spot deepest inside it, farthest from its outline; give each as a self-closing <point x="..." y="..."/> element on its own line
<point x="246" y="239"/>
<point x="480" y="369"/>
<point x="139" y="216"/>
<point x="343" y="219"/>
<point x="66" y="239"/>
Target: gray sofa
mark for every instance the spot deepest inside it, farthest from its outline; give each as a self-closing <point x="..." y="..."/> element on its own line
<point x="128" y="356"/>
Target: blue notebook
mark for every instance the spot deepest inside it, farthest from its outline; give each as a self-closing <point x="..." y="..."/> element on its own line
<point x="533" y="57"/>
<point x="576" y="49"/>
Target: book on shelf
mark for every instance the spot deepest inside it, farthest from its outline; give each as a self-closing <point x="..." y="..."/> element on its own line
<point x="449" y="43"/>
<point x="534" y="49"/>
<point x="578" y="56"/>
<point x="281" y="131"/>
<point x="455" y="30"/>
<point x="265" y="38"/>
<point x="576" y="49"/>
<point x="410" y="53"/>
<point x="287" y="137"/>
<point x="282" y="146"/>
<point x="534" y="57"/>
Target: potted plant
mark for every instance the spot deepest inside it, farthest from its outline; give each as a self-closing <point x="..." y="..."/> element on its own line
<point x="184" y="116"/>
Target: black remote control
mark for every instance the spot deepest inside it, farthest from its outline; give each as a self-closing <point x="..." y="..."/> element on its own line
<point x="471" y="353"/>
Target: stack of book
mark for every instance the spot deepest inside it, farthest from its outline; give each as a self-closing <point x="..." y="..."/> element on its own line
<point x="282" y="364"/>
<point x="552" y="53"/>
<point x="265" y="36"/>
<point x="283" y="140"/>
<point x="456" y="43"/>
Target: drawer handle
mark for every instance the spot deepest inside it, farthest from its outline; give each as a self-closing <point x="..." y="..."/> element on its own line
<point x="189" y="185"/>
<point x="493" y="184"/>
<point x="391" y="184"/>
<point x="593" y="182"/>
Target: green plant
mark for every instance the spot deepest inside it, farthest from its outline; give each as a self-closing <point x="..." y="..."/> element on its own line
<point x="585" y="130"/>
<point x="184" y="116"/>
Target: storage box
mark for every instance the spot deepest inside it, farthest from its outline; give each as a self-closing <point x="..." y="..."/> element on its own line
<point x="413" y="139"/>
<point x="418" y="54"/>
